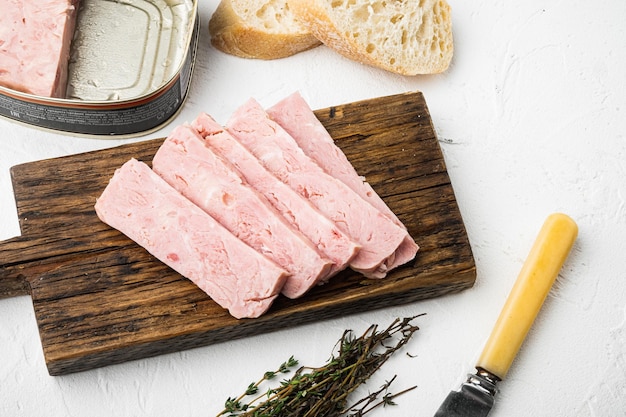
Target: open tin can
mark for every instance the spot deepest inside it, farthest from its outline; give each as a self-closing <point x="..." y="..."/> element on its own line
<point x="129" y="71"/>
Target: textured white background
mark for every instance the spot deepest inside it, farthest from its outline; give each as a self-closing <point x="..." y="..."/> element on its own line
<point x="531" y="117"/>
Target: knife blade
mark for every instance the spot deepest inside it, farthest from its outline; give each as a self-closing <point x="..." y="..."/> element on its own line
<point x="476" y="396"/>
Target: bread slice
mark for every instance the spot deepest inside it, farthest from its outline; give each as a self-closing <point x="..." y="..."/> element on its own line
<point x="262" y="29"/>
<point x="405" y="36"/>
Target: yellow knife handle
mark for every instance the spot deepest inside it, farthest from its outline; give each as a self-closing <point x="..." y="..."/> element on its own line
<point x="539" y="272"/>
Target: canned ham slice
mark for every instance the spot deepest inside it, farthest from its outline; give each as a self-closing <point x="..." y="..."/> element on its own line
<point x="245" y="213"/>
<point x="295" y="116"/>
<point x="215" y="186"/>
<point x="380" y="238"/>
<point x="35" y="39"/>
<point x="298" y="211"/>
<point x="144" y="207"/>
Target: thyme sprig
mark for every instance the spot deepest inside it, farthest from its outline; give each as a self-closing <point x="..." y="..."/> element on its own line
<point x="325" y="391"/>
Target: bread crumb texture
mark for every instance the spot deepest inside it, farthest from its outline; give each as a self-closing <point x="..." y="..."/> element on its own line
<point x="272" y="16"/>
<point x="403" y="36"/>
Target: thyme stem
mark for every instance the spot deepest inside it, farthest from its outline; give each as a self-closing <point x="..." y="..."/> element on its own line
<point x="324" y="391"/>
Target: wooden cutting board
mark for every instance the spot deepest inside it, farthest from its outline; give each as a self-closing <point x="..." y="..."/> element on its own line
<point x="100" y="299"/>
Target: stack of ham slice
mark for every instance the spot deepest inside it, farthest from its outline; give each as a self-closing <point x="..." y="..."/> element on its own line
<point x="266" y="205"/>
<point x="216" y="187"/>
<point x="35" y="39"/>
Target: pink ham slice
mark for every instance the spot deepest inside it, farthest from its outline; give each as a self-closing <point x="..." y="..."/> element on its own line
<point x="278" y="152"/>
<point x="215" y="186"/>
<point x="295" y="116"/>
<point x="144" y="207"/>
<point x="35" y="38"/>
<point x="298" y="212"/>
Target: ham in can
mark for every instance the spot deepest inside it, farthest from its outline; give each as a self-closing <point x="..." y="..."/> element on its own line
<point x="94" y="67"/>
<point x="35" y="39"/>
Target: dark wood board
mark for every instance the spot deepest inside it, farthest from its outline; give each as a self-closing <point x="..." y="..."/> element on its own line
<point x="100" y="299"/>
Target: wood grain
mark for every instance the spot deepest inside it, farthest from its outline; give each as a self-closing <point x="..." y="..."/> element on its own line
<point x="99" y="299"/>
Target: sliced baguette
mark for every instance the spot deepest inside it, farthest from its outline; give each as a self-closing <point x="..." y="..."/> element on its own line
<point x="404" y="36"/>
<point x="262" y="29"/>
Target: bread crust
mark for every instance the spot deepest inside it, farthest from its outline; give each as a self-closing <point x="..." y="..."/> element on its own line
<point x="318" y="17"/>
<point x="230" y="33"/>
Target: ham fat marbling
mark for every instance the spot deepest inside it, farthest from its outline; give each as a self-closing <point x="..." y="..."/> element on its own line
<point x="148" y="210"/>
<point x="214" y="185"/>
<point x="380" y="238"/>
<point x="35" y="39"/>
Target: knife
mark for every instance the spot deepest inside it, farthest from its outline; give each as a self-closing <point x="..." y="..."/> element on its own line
<point x="547" y="255"/>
